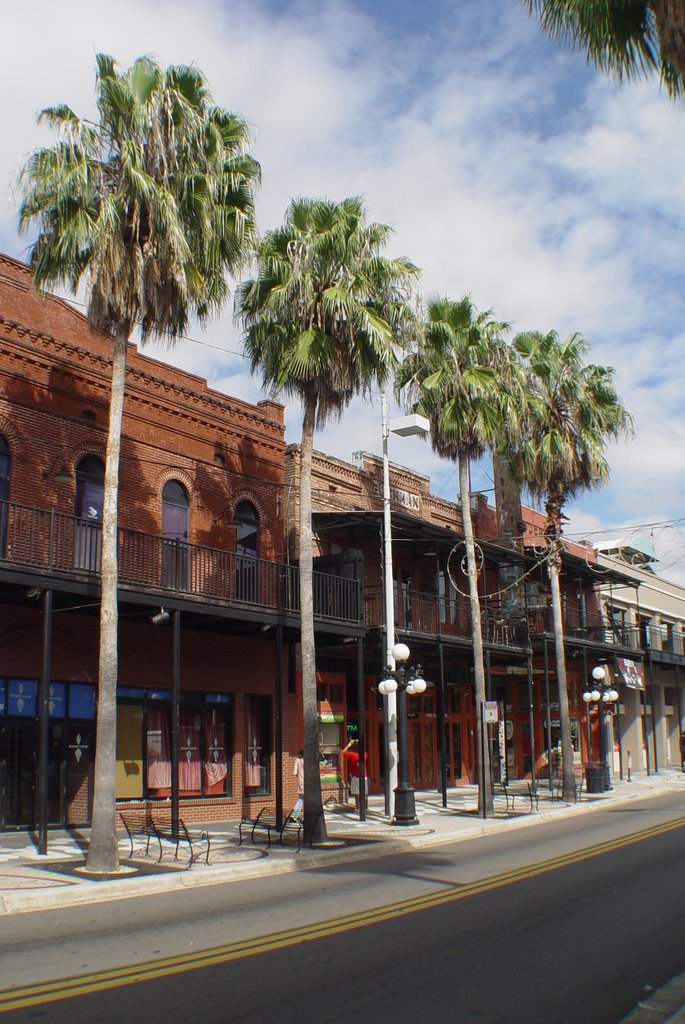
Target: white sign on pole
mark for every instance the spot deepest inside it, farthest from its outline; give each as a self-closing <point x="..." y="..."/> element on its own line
<point x="490" y="711"/>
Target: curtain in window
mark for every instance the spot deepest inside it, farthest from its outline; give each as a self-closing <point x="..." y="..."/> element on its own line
<point x="189" y="752"/>
<point x="253" y="745"/>
<point x="216" y="764"/>
<point x="158" y="759"/>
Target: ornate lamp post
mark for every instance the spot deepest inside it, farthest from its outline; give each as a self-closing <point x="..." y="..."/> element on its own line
<point x="404" y="426"/>
<point x="605" y="697"/>
<point x="403" y="681"/>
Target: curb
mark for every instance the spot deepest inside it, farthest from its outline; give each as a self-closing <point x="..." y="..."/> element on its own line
<point x="103" y="891"/>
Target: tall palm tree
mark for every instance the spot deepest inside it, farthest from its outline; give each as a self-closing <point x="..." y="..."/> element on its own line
<point x="627" y="38"/>
<point x="149" y="206"/>
<point x="573" y="411"/>
<point x="322" y="319"/>
<point x="460" y="380"/>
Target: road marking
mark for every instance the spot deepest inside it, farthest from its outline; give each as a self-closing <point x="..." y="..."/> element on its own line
<point x="100" y="981"/>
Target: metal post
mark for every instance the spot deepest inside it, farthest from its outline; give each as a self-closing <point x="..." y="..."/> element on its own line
<point x="390" y="700"/>
<point x="175" y="702"/>
<point x="278" y="721"/>
<point x="588" y="727"/>
<point x="548" y="722"/>
<point x="361" y="728"/>
<point x="482" y="757"/>
<point x="531" y="720"/>
<point x="651" y="699"/>
<point x="443" y="745"/>
<point x="44" y="726"/>
<point x="681" y="746"/>
<point x="618" y="720"/>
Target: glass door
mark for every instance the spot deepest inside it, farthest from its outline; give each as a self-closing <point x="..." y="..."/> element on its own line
<point x="18" y="762"/>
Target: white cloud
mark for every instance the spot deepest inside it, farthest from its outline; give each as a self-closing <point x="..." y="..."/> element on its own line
<point x="508" y="169"/>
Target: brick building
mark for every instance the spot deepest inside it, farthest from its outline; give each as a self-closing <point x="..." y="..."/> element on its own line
<point x="209" y="705"/>
<point x="432" y="616"/>
<point x="201" y="532"/>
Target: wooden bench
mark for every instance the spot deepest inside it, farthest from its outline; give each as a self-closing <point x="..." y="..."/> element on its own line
<point x="144" y="825"/>
<point x="523" y="788"/>
<point x="267" y="823"/>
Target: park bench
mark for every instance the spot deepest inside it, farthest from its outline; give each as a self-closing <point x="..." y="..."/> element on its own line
<point x="558" y="786"/>
<point x="524" y="789"/>
<point x="143" y="825"/>
<point x="267" y="823"/>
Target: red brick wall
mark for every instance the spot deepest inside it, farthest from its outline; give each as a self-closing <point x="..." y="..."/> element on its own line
<point x="53" y="368"/>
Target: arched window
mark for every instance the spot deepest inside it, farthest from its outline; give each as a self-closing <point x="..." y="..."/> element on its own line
<point x="4" y="491"/>
<point x="90" y="492"/>
<point x="247" y="549"/>
<point x="90" y="489"/>
<point x="175" y="515"/>
<point x="247" y="540"/>
<point x="175" y="507"/>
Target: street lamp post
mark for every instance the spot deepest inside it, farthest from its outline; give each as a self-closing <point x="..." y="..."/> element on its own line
<point x="605" y="696"/>
<point x="406" y="426"/>
<point x="403" y="681"/>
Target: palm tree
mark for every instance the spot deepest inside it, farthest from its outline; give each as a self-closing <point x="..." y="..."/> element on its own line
<point x="627" y="38"/>
<point x="322" y="319"/>
<point x="459" y="380"/>
<point x="149" y="206"/>
<point x="573" y="410"/>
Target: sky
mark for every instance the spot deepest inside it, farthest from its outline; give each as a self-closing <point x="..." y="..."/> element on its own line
<point x="508" y="169"/>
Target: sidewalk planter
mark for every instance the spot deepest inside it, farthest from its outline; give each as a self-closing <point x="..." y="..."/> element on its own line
<point x="595" y="777"/>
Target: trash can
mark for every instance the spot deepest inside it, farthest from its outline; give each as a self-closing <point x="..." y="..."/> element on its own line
<point x="595" y="777"/>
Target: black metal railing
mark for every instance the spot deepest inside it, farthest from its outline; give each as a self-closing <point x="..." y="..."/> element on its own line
<point x="433" y="615"/>
<point x="591" y="628"/>
<point x="66" y="546"/>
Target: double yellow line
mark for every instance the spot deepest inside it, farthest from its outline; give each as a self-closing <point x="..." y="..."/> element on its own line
<point x="100" y="981"/>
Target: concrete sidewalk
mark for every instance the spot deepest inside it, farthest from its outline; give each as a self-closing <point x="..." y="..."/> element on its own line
<point x="31" y="882"/>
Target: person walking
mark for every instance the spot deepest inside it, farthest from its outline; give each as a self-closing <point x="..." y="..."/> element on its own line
<point x="351" y="755"/>
<point x="298" y="772"/>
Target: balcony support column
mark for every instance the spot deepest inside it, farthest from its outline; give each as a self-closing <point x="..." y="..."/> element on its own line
<point x="278" y="720"/>
<point x="175" y="703"/>
<point x="443" y="747"/>
<point x="548" y="720"/>
<point x="44" y="726"/>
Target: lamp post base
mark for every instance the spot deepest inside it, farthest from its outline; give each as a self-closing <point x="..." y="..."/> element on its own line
<point x="405" y="807"/>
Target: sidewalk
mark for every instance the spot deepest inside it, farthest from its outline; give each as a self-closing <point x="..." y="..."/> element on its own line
<point x="31" y="882"/>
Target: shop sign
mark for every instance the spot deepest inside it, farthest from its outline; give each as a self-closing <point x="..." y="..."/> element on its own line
<point x="490" y="711"/>
<point x="327" y="717"/>
<point x="633" y="673"/>
<point x="407" y="499"/>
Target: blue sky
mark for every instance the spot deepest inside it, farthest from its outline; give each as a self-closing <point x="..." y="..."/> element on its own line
<point x="508" y="168"/>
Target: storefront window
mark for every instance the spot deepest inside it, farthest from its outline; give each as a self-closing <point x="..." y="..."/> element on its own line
<point x="257" y="745"/>
<point x="22" y="697"/>
<point x="82" y="701"/>
<point x="189" y="755"/>
<point x="57" y="700"/>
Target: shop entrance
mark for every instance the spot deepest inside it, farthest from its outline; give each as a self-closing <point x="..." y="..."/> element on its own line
<point x="422" y="746"/>
<point x="18" y="779"/>
<point x="70" y="780"/>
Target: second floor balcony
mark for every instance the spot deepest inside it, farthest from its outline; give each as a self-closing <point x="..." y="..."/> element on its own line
<point x="449" y="617"/>
<point x="59" y="546"/>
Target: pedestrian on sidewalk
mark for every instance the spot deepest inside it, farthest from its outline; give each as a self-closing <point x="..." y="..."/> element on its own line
<point x="351" y="755"/>
<point x="298" y="772"/>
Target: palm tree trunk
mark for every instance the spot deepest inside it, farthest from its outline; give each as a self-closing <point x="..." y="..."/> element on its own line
<point x="103" y="853"/>
<point x="553" y="511"/>
<point x="483" y="752"/>
<point x="314" y="820"/>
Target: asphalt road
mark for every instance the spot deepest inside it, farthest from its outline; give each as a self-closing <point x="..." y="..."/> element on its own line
<point x="570" y="921"/>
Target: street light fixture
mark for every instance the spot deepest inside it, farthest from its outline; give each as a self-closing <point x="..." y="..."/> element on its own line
<point x="403" y="681"/>
<point x="605" y="696"/>
<point x="406" y="426"/>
